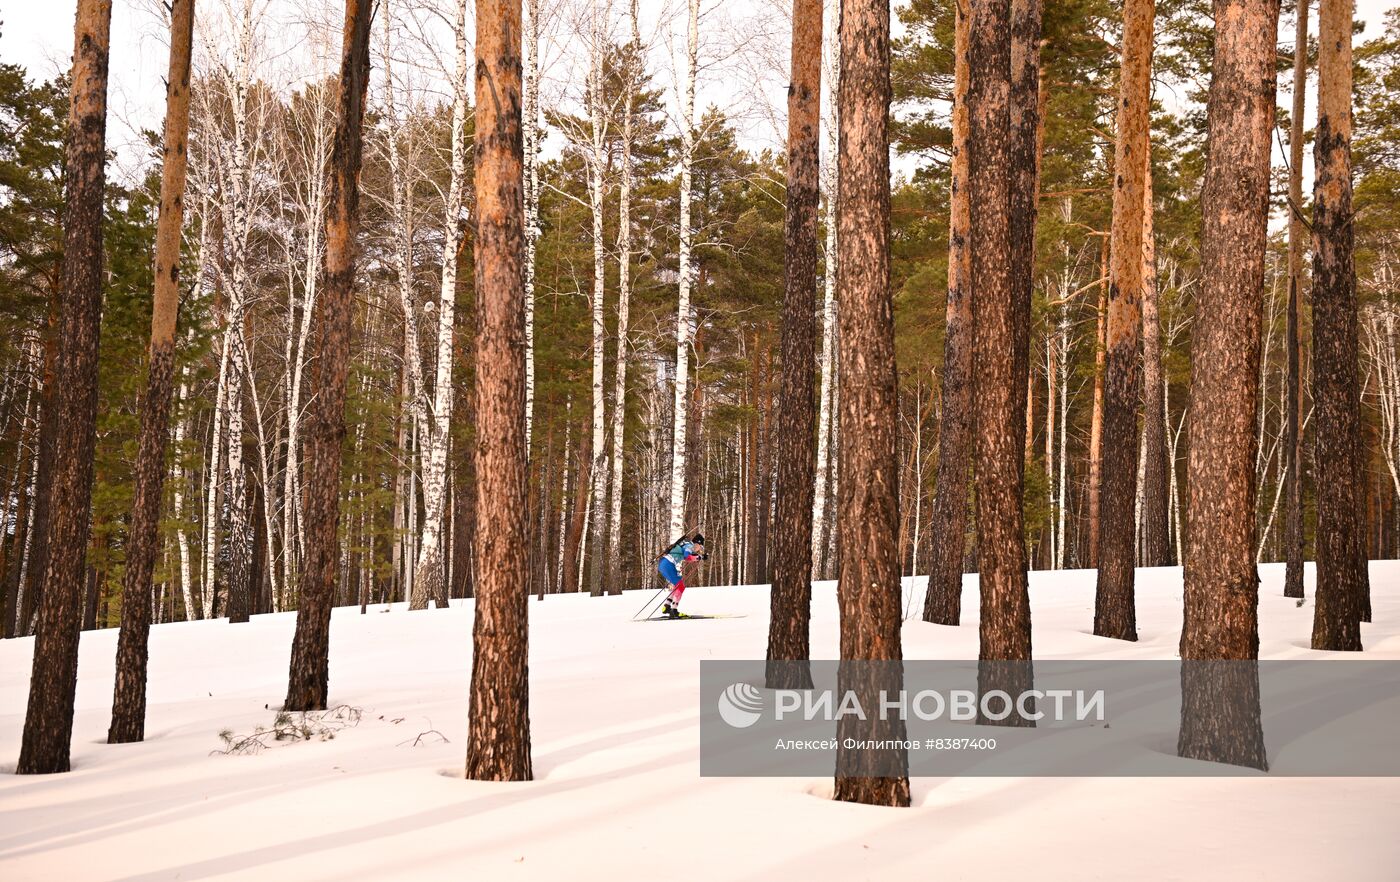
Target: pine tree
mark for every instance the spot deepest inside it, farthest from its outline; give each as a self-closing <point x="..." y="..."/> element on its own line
<point x="129" y="699"/>
<point x="48" y="724"/>
<point x="1293" y="449"/>
<point x="1342" y="590"/>
<point x="869" y="588"/>
<point x="308" y="679"/>
<point x="788" y="637"/>
<point x="498" y="735"/>
<point x="1114" y="610"/>
<point x="1220" y="702"/>
<point x="943" y="600"/>
<point x="1000" y="34"/>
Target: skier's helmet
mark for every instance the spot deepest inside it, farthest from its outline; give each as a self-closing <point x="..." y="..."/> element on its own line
<point x="698" y="539"/>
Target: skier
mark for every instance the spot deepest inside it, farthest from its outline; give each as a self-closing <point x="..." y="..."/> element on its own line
<point x="669" y="566"/>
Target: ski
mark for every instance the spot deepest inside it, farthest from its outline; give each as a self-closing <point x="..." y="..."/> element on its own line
<point x="684" y="616"/>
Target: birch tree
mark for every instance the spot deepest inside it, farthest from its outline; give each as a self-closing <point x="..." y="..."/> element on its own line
<point x="686" y="272"/>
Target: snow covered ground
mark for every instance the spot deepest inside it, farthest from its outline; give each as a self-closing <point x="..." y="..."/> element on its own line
<point x="618" y="794"/>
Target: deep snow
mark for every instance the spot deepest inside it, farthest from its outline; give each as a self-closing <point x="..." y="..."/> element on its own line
<point x="618" y="795"/>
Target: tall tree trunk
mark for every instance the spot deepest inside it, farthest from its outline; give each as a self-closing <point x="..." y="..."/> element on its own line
<point x="12" y="585"/>
<point x="129" y="699"/>
<point x="789" y="621"/>
<point x="948" y="522"/>
<point x="1293" y="450"/>
<point x="598" y="159"/>
<point x="1156" y="532"/>
<point x="464" y="470"/>
<point x="1025" y="130"/>
<point x="624" y="300"/>
<point x="48" y="724"/>
<point x="1220" y="703"/>
<point x="869" y="590"/>
<point x="686" y="273"/>
<point x="999" y="36"/>
<point x="308" y="679"/>
<point x="182" y="539"/>
<point x="498" y="735"/>
<point x="430" y="580"/>
<point x="1115" y="613"/>
<point x="831" y="52"/>
<point x="36" y="562"/>
<point x="1096" y="419"/>
<point x="1342" y="590"/>
<point x="532" y="134"/>
<point x="573" y="536"/>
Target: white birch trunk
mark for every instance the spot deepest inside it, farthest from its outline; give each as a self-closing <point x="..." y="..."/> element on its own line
<point x="430" y="581"/>
<point x="831" y="57"/>
<point x="182" y="539"/>
<point x="687" y="272"/>
<point x="597" y="168"/>
<point x="624" y="297"/>
<point x="531" y="130"/>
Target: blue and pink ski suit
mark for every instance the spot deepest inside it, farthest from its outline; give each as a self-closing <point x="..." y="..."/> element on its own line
<point x="669" y="566"/>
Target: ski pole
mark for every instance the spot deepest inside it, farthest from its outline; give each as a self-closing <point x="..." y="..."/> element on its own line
<point x="651" y="601"/>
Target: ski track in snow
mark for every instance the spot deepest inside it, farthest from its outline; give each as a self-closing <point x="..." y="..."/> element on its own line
<point x="615" y="735"/>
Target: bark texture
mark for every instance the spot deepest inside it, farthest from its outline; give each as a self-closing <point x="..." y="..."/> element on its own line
<point x="1156" y="490"/>
<point x="48" y="724"/>
<point x="999" y="330"/>
<point x="789" y="622"/>
<point x="498" y="734"/>
<point x="308" y="680"/>
<point x="948" y="522"/>
<point x="1341" y="552"/>
<point x="1297" y="233"/>
<point x="1114" y="607"/>
<point x="129" y="698"/>
<point x="869" y="588"/>
<point x="1220" y="711"/>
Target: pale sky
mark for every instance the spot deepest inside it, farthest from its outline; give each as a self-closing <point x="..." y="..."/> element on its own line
<point x="743" y="54"/>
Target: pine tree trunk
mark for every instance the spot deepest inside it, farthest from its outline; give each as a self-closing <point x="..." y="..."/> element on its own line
<point x="948" y="522"/>
<point x="1156" y="532"/>
<point x="129" y="699"/>
<point x="1220" y="708"/>
<point x="1293" y="530"/>
<point x="1001" y="88"/>
<point x="464" y="474"/>
<point x="498" y="738"/>
<point x="1115" y="612"/>
<point x="48" y="725"/>
<point x="1096" y="418"/>
<point x="308" y="681"/>
<point x="1342" y="590"/>
<point x="789" y="621"/>
<point x="869" y="590"/>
